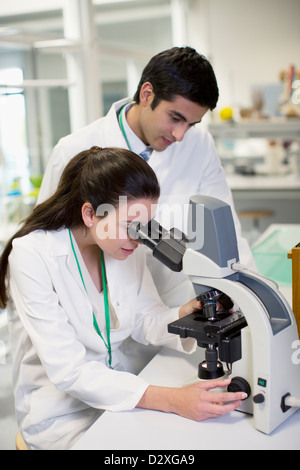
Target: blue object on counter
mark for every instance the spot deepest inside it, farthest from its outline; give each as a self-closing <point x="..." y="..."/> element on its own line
<point x="14" y="192"/>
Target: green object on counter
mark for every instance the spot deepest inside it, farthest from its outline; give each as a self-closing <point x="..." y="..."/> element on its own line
<point x="36" y="180"/>
<point x="271" y="254"/>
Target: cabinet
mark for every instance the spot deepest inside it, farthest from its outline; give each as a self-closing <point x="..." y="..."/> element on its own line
<point x="294" y="255"/>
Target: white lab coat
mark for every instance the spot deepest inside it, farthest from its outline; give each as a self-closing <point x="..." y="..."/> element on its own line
<point x="59" y="372"/>
<point x="184" y="169"/>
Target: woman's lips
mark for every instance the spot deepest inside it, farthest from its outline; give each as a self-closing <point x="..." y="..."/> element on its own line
<point x="127" y="251"/>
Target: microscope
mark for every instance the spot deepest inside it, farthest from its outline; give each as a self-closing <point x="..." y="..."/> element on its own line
<point x="253" y="343"/>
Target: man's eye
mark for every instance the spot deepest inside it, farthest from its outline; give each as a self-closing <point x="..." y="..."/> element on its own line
<point x="175" y="118"/>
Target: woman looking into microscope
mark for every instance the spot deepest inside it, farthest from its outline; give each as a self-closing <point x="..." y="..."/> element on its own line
<point x="76" y="287"/>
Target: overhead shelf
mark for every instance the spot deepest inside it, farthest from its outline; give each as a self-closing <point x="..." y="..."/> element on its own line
<point x="270" y="129"/>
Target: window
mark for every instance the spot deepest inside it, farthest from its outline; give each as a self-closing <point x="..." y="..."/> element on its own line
<point x="14" y="163"/>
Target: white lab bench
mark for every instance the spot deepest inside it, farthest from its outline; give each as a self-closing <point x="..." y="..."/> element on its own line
<point x="153" y="430"/>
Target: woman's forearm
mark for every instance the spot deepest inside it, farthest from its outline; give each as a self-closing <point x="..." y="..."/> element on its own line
<point x="159" y="398"/>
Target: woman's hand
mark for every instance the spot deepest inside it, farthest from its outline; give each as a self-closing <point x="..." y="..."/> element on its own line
<point x="199" y="403"/>
<point x="194" y="305"/>
<point x="196" y="401"/>
<point x="190" y="307"/>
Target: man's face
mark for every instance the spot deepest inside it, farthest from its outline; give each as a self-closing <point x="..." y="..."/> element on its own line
<point x="169" y="121"/>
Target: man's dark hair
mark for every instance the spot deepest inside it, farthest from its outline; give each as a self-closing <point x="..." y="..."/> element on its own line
<point x="180" y="71"/>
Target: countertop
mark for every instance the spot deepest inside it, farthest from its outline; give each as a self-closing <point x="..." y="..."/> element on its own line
<point x="263" y="182"/>
<point x="148" y="429"/>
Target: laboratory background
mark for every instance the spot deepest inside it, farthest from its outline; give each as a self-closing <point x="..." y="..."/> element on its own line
<point x="64" y="62"/>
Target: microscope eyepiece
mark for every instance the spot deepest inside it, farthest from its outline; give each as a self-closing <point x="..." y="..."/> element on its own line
<point x="168" y="246"/>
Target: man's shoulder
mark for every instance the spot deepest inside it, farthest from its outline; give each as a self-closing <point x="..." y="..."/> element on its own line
<point x="83" y="132"/>
<point x="78" y="141"/>
<point x="198" y="133"/>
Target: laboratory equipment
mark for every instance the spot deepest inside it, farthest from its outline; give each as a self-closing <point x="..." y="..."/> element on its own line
<point x="255" y="343"/>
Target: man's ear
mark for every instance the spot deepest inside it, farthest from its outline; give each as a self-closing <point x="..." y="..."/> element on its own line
<point x="146" y="94"/>
<point x="87" y="213"/>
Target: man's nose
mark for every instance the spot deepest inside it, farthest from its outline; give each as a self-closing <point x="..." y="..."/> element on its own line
<point x="178" y="133"/>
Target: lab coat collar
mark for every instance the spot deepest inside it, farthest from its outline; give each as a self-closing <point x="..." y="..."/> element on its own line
<point x="136" y="144"/>
<point x="116" y="107"/>
<point x="117" y="139"/>
<point x="58" y="243"/>
<point x="112" y="132"/>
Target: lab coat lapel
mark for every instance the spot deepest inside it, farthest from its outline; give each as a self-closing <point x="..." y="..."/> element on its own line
<point x="121" y="277"/>
<point x="112" y="273"/>
<point x="67" y="281"/>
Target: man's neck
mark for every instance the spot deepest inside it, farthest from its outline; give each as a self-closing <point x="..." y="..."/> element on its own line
<point x="133" y="120"/>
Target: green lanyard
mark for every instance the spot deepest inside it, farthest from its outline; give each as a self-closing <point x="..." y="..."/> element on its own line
<point x="122" y="126"/>
<point x="106" y="305"/>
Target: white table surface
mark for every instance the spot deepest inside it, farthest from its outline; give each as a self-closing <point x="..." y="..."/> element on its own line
<point x="154" y="430"/>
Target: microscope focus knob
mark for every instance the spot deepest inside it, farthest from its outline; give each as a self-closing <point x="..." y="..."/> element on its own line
<point x="239" y="384"/>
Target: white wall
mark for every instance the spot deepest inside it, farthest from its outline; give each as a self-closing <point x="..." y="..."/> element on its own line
<point x="248" y="42"/>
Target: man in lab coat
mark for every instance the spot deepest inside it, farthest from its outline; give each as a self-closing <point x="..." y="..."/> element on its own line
<point x="177" y="88"/>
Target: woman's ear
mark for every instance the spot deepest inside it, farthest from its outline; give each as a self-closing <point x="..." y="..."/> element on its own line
<point x="88" y="214"/>
<point x="146" y="94"/>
